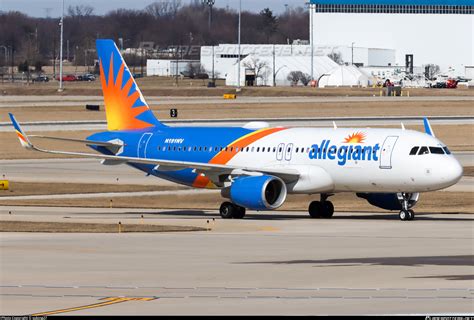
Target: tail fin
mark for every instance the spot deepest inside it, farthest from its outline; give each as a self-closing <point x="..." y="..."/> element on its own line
<point x="428" y="128"/>
<point x="125" y="107"/>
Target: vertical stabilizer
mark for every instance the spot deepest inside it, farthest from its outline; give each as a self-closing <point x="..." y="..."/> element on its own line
<point x="125" y="107"/>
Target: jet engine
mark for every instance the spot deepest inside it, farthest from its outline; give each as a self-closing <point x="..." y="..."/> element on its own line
<point x="388" y="201"/>
<point x="257" y="192"/>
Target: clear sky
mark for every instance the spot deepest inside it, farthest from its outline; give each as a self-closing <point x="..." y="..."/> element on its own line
<point x="38" y="8"/>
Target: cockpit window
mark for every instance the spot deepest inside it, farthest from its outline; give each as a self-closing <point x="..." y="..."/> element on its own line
<point x="414" y="150"/>
<point x="436" y="150"/>
<point x="423" y="150"/>
<point x="446" y="150"/>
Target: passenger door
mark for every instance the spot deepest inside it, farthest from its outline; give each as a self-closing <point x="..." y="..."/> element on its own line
<point x="280" y="151"/>
<point x="386" y="152"/>
<point x="142" y="144"/>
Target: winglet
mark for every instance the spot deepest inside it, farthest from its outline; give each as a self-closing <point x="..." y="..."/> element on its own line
<point x="25" y="142"/>
<point x="427" y="125"/>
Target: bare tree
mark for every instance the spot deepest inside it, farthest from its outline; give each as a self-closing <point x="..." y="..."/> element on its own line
<point x="431" y="70"/>
<point x="294" y="77"/>
<point x="305" y="78"/>
<point x="164" y="8"/>
<point x="258" y="66"/>
<point x="80" y="11"/>
<point x="336" y="57"/>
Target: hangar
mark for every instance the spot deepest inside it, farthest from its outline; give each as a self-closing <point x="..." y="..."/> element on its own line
<point x="434" y="31"/>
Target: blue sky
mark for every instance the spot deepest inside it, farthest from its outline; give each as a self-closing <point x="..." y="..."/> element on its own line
<point x="38" y="8"/>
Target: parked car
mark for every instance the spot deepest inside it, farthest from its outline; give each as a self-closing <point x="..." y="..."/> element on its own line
<point x="86" y="77"/>
<point x="69" y="77"/>
<point x="41" y="78"/>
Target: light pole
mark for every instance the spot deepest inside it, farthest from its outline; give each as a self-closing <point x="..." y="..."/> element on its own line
<point x="311" y="39"/>
<point x="209" y="3"/>
<point x="352" y="47"/>
<point x="6" y="53"/>
<point x="61" y="51"/>
<point x="238" y="40"/>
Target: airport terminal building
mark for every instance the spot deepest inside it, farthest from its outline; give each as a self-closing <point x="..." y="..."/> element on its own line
<point x="434" y="31"/>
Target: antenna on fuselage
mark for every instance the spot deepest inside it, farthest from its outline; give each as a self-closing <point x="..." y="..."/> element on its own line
<point x="403" y="126"/>
<point x="334" y="124"/>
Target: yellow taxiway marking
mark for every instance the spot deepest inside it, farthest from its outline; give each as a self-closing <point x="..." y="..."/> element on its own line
<point x="108" y="301"/>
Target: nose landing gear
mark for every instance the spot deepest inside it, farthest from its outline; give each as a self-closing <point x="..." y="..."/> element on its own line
<point x="406" y="213"/>
<point x="321" y="209"/>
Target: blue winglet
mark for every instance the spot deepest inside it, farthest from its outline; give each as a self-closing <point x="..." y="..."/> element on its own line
<point x="427" y="125"/>
<point x="25" y="142"/>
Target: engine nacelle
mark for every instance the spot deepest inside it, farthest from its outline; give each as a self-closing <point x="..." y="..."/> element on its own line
<point x="388" y="201"/>
<point x="258" y="192"/>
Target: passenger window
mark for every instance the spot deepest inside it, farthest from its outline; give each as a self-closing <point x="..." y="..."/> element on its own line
<point x="296" y="150"/>
<point x="446" y="150"/>
<point x="274" y="149"/>
<point x="423" y="150"/>
<point x="436" y="150"/>
<point x="414" y="150"/>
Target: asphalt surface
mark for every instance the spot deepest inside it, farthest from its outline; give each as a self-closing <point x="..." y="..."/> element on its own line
<point x="289" y="264"/>
<point x="291" y="122"/>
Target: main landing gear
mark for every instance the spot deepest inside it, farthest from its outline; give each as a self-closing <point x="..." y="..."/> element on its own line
<point x="406" y="213"/>
<point x="228" y="210"/>
<point x="321" y="209"/>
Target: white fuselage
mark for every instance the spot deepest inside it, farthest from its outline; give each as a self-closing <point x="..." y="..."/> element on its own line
<point x="355" y="160"/>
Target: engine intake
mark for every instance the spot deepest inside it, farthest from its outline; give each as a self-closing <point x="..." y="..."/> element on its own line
<point x="258" y="192"/>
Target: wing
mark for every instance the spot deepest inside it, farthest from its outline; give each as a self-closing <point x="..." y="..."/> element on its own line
<point x="211" y="170"/>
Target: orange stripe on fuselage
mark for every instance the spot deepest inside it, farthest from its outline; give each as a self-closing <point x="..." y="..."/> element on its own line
<point x="223" y="157"/>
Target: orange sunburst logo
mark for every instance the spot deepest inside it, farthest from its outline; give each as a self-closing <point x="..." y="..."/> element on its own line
<point x="356" y="137"/>
<point x="120" y="100"/>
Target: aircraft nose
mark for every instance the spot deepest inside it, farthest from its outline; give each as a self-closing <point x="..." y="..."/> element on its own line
<point x="453" y="171"/>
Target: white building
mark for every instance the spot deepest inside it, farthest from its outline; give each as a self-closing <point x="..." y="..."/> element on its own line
<point x="164" y="67"/>
<point x="434" y="31"/>
<point x="224" y="60"/>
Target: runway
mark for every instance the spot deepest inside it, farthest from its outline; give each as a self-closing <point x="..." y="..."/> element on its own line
<point x="289" y="264"/>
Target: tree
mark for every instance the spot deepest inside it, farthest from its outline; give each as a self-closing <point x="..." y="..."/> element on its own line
<point x="80" y="11"/>
<point x="336" y="57"/>
<point x="259" y="67"/>
<point x="431" y="70"/>
<point x="305" y="78"/>
<point x="163" y="8"/>
<point x="294" y="77"/>
<point x="269" y="23"/>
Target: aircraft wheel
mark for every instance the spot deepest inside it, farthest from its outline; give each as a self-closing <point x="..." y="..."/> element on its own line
<point x="315" y="209"/>
<point x="239" y="212"/>
<point x="411" y="214"/>
<point x="227" y="210"/>
<point x="328" y="209"/>
<point x="404" y="215"/>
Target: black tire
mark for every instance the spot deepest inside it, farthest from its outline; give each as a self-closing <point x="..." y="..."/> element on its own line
<point x="328" y="209"/>
<point x="315" y="209"/>
<point x="403" y="215"/>
<point x="239" y="212"/>
<point x="227" y="210"/>
<point x="411" y="215"/>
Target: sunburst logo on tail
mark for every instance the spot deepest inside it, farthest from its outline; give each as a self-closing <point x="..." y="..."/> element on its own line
<point x="123" y="101"/>
<point x="356" y="137"/>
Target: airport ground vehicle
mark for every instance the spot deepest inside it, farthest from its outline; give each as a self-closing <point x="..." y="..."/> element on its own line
<point x="256" y="166"/>
<point x="41" y="78"/>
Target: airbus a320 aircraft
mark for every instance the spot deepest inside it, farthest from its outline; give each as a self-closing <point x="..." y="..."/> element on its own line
<point x="256" y="166"/>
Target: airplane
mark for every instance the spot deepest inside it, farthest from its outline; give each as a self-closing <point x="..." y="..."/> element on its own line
<point x="256" y="166"/>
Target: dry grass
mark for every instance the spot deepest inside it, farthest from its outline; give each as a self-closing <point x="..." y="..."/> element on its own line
<point x="468" y="171"/>
<point x="35" y="188"/>
<point x="457" y="137"/>
<point x="439" y="202"/>
<point x="166" y="86"/>
<point x="75" y="227"/>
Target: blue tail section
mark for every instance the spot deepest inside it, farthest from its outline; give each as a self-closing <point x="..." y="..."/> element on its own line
<point x="125" y="107"/>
